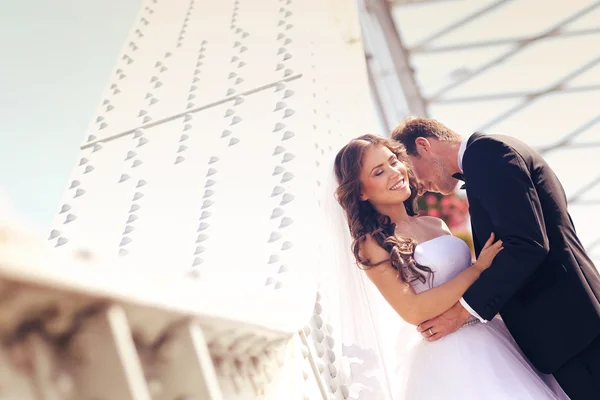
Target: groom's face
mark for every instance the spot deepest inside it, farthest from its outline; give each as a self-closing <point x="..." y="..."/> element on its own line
<point x="433" y="174"/>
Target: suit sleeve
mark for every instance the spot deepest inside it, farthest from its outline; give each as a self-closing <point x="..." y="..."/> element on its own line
<point x="498" y="177"/>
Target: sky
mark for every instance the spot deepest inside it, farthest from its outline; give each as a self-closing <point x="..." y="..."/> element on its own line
<point x="57" y="56"/>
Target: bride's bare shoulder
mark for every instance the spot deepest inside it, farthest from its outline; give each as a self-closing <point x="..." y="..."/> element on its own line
<point x="434" y="222"/>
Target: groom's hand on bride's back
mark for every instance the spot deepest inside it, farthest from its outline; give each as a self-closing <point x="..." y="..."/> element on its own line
<point x="444" y="324"/>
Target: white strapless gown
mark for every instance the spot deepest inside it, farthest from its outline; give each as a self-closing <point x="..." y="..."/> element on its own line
<point x="477" y="362"/>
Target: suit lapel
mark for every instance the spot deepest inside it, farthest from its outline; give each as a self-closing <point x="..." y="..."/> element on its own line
<point x="474" y="209"/>
<point x="473" y="137"/>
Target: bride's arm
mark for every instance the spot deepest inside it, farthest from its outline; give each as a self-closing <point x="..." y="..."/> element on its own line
<point x="415" y="308"/>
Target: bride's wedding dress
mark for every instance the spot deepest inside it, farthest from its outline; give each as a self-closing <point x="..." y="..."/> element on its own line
<point x="477" y="362"/>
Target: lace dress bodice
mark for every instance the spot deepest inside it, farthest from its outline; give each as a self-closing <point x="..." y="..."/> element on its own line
<point x="446" y="255"/>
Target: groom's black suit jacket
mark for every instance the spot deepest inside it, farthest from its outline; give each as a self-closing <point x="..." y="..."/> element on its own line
<point x="543" y="284"/>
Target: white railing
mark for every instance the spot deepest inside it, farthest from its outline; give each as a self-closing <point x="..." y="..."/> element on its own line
<point x="74" y="327"/>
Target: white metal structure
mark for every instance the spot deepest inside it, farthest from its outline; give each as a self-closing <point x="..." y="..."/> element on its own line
<point x="183" y="263"/>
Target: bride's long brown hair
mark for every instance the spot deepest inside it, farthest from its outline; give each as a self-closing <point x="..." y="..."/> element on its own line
<point x="362" y="217"/>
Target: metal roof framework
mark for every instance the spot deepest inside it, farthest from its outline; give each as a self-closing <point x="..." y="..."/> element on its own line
<point x="527" y="68"/>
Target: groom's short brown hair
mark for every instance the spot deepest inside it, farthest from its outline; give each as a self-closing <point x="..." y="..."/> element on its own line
<point x="414" y="127"/>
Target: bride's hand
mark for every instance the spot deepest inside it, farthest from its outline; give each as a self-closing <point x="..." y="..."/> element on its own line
<point x="488" y="253"/>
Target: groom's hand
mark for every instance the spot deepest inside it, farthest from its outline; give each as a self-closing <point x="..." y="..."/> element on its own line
<point x="444" y="324"/>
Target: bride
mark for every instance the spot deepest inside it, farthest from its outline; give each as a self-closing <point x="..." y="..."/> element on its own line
<point x="422" y="270"/>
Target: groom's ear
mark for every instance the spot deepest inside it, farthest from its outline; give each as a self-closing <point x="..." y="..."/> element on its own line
<point x="422" y="145"/>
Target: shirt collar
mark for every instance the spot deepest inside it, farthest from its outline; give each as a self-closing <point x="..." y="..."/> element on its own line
<point x="461" y="152"/>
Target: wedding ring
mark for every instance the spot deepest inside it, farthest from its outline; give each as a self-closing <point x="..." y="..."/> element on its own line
<point x="430" y="332"/>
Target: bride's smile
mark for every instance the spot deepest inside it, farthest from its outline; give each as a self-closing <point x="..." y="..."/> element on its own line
<point x="401" y="184"/>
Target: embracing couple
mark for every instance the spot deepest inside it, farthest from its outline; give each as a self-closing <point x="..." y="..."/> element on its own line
<point x="522" y="317"/>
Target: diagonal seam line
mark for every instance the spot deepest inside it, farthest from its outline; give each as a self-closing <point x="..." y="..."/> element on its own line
<point x="538" y="95"/>
<point x="575" y="197"/>
<point x="503" y="41"/>
<point x="512" y="52"/>
<point x="190" y="111"/>
<point x="512" y="95"/>
<point x="458" y="24"/>
<point x="569" y="137"/>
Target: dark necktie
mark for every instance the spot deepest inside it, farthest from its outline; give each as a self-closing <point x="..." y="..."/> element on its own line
<point x="460" y="177"/>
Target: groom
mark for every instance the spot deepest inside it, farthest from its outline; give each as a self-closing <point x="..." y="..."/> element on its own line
<point x="543" y="283"/>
